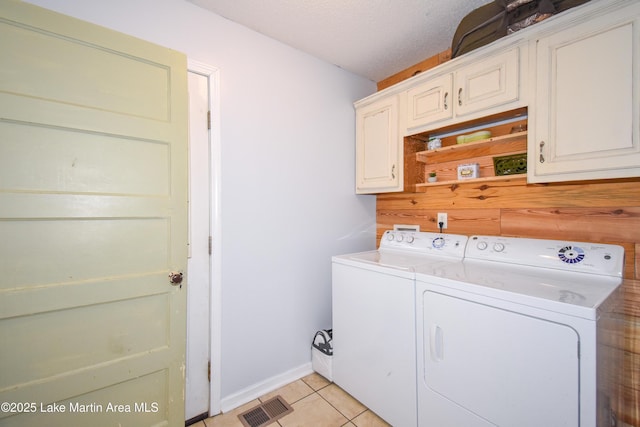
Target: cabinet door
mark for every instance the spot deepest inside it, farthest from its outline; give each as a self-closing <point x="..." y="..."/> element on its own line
<point x="585" y="118"/>
<point x="487" y="84"/>
<point x="378" y="149"/>
<point x="430" y="102"/>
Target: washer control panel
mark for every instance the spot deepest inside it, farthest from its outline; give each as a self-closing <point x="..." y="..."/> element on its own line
<point x="421" y="242"/>
<point x="595" y="258"/>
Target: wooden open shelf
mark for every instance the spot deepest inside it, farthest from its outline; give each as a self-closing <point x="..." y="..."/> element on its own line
<point x="506" y="144"/>
<point x="444" y="161"/>
<point x="422" y="187"/>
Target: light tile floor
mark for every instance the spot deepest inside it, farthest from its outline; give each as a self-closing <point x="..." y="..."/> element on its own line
<point x="316" y="402"/>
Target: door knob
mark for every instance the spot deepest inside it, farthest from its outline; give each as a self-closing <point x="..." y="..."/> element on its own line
<point x="175" y="278"/>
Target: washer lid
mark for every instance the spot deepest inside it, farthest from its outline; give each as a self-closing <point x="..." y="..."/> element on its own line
<point x="391" y="262"/>
<point x="400" y="261"/>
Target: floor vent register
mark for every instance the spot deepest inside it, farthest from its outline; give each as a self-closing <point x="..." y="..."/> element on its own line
<point x="265" y="413"/>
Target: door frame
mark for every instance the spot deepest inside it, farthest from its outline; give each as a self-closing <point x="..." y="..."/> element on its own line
<point x="215" y="273"/>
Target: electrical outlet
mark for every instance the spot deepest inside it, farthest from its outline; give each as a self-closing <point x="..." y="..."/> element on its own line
<point x="442" y="219"/>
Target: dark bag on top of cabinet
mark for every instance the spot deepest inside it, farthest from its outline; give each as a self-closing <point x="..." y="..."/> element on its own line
<point x="501" y="17"/>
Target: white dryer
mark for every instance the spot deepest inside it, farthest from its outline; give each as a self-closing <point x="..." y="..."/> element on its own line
<point x="510" y="336"/>
<point x="374" y="320"/>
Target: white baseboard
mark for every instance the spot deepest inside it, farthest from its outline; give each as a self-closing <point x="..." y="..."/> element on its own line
<point x="255" y="391"/>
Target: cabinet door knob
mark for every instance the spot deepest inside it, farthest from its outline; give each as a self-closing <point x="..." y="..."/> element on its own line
<point x="460" y="97"/>
<point x="393" y="171"/>
<point x="446" y="102"/>
<point x="541" y="153"/>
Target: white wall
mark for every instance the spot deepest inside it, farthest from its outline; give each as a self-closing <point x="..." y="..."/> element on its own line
<point x="287" y="188"/>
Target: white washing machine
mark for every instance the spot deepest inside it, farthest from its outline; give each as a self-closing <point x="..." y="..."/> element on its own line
<point x="512" y="336"/>
<point x="374" y="320"/>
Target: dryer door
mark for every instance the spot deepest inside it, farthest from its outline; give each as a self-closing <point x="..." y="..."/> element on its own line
<point x="508" y="368"/>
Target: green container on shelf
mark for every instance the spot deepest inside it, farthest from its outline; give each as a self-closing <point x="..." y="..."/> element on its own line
<point x="510" y="165"/>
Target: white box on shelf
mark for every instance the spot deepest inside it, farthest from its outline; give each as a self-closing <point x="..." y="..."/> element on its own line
<point x="468" y="171"/>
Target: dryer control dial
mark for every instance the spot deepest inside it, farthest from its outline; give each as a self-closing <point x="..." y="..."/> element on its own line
<point x="571" y="254"/>
<point x="482" y="245"/>
<point x="498" y="247"/>
<point x="438" y="242"/>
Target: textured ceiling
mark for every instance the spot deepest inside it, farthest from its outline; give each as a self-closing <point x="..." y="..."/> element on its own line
<point x="371" y="38"/>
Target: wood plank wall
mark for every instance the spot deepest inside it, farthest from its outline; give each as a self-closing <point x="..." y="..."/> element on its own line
<point x="416" y="69"/>
<point x="598" y="211"/>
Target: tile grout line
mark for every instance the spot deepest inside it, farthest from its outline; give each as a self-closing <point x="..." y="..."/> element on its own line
<point x="349" y="420"/>
<point x="313" y="391"/>
<point x="311" y="385"/>
<point x="344" y="415"/>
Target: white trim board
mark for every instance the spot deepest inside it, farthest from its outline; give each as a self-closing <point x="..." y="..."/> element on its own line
<point x="270" y="384"/>
<point x="213" y="74"/>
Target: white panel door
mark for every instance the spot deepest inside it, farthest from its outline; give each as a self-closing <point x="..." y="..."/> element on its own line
<point x="93" y="169"/>
<point x="506" y="368"/>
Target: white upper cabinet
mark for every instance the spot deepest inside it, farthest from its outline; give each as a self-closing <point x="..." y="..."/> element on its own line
<point x="584" y="123"/>
<point x="485" y="86"/>
<point x="379" y="149"/>
<point x="578" y="73"/>
<point x="430" y="102"/>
